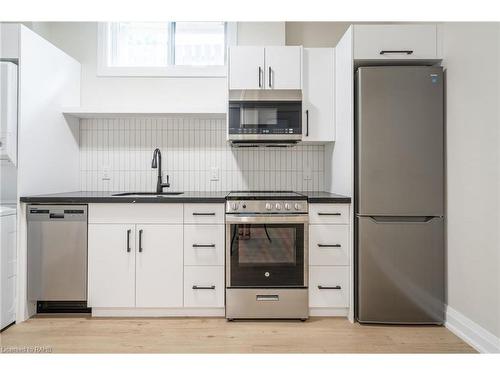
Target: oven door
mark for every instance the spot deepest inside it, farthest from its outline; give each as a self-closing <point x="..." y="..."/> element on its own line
<point x="266" y="251"/>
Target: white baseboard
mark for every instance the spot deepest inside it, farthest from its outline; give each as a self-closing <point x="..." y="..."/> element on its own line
<point x="472" y="333"/>
<point x="158" y="312"/>
<point x="328" y="311"/>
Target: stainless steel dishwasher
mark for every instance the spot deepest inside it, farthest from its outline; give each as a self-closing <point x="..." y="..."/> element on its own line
<point x="57" y="252"/>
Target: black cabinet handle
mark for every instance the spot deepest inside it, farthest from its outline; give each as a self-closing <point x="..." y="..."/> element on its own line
<point x="399" y="52"/>
<point x="260" y="77"/>
<point x="307" y="123"/>
<point x="329" y="213"/>
<point x="128" y="240"/>
<point x="329" y="287"/>
<point x="140" y="240"/>
<point x="196" y="287"/>
<point x="203" y="213"/>
<point x="327" y="245"/>
<point x="270" y="77"/>
<point x="201" y="245"/>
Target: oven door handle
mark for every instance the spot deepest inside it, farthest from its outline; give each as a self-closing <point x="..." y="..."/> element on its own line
<point x="266" y="219"/>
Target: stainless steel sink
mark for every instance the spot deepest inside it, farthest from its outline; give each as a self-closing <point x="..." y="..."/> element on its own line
<point x="147" y="194"/>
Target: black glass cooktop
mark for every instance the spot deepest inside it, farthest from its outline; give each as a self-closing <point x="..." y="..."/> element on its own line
<point x="263" y="194"/>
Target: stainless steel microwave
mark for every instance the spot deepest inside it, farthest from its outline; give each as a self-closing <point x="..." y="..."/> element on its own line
<point x="265" y="117"/>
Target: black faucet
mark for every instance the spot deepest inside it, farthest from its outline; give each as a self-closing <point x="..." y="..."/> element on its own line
<point x="156" y="163"/>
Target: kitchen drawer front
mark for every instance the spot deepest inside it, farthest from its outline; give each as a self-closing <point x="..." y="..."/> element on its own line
<point x="204" y="245"/>
<point x="329" y="286"/>
<point x="204" y="213"/>
<point x="395" y="40"/>
<point x="328" y="245"/>
<point x="203" y="286"/>
<point x="328" y="213"/>
<point x="142" y="213"/>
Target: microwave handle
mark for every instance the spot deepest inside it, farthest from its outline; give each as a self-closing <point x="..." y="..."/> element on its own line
<point x="307" y="123"/>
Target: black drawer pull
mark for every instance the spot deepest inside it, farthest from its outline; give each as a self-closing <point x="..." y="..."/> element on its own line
<point x="338" y="287"/>
<point x="329" y="213"/>
<point x="128" y="239"/>
<point x="201" y="245"/>
<point x="196" y="287"/>
<point x="406" y="52"/>
<point x="327" y="245"/>
<point x="140" y="240"/>
<point x="203" y="213"/>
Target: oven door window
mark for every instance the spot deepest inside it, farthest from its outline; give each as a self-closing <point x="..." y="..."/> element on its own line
<point x="267" y="255"/>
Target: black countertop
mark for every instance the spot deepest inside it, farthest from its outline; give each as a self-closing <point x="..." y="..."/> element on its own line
<point x="186" y="197"/>
<point x="107" y="197"/>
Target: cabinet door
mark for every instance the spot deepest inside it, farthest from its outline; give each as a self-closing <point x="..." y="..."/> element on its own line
<point x="283" y="67"/>
<point x="318" y="95"/>
<point x="395" y="42"/>
<point x="246" y="68"/>
<point x="111" y="262"/>
<point x="159" y="263"/>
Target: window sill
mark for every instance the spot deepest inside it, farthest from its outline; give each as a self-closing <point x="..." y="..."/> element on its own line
<point x="171" y="71"/>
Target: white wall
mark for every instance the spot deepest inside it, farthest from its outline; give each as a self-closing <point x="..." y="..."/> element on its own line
<point x="48" y="152"/>
<point x="471" y="58"/>
<point x="315" y="34"/>
<point x="171" y="94"/>
<point x="261" y="33"/>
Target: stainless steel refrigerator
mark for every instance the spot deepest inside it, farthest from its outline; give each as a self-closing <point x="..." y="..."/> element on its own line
<point x="399" y="191"/>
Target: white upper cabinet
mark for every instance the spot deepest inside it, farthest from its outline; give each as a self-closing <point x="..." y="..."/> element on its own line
<point x="283" y="67"/>
<point x="246" y="68"/>
<point x="318" y="103"/>
<point x="276" y="67"/>
<point x="395" y="42"/>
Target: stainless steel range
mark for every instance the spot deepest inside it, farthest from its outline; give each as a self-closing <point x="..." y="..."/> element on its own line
<point x="266" y="255"/>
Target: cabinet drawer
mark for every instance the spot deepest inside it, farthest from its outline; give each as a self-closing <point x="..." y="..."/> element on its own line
<point x="204" y="286"/>
<point x="328" y="245"/>
<point x="204" y="245"/>
<point x="329" y="286"/>
<point x="138" y="213"/>
<point x="204" y="213"/>
<point x="326" y="213"/>
<point x="394" y="42"/>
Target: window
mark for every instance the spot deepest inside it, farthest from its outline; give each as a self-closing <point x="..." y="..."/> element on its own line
<point x="164" y="48"/>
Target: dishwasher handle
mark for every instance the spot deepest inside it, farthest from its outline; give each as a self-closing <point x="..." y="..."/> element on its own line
<point x="56" y="216"/>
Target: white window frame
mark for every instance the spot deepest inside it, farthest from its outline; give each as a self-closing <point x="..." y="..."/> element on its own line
<point x="104" y="70"/>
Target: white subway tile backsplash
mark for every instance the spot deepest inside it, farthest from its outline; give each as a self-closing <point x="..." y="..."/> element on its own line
<point x="115" y="155"/>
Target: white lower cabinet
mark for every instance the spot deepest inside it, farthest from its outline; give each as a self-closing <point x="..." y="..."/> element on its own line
<point x="204" y="286"/>
<point x="135" y="265"/>
<point x="329" y="245"/>
<point x="111" y="268"/>
<point x="165" y="267"/>
<point x="204" y="245"/>
<point x="329" y="286"/>
<point x="159" y="266"/>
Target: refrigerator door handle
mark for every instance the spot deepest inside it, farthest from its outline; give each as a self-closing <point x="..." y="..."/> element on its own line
<point x="402" y="219"/>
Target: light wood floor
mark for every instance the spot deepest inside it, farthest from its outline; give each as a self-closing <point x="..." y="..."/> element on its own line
<point x="214" y="335"/>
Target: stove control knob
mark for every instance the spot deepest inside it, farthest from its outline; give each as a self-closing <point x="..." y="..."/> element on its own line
<point x="234" y="206"/>
<point x="287" y="206"/>
<point x="268" y="206"/>
<point x="278" y="206"/>
<point x="297" y="207"/>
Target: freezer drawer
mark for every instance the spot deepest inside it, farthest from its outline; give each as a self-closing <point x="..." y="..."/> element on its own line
<point x="400" y="270"/>
<point x="57" y="253"/>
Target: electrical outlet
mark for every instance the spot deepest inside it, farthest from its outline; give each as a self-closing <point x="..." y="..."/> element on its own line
<point x="214" y="174"/>
<point x="106" y="173"/>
